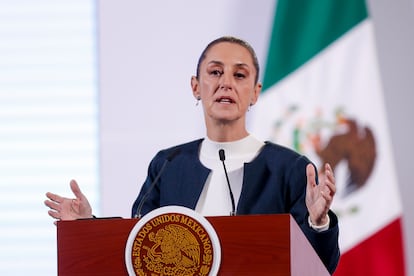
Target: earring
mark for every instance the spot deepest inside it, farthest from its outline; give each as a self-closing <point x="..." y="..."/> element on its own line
<point x="250" y="105"/>
<point x="198" y="100"/>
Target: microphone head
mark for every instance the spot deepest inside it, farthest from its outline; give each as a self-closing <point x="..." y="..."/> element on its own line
<point x="221" y="155"/>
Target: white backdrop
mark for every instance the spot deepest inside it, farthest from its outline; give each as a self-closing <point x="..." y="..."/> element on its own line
<point x="148" y="51"/>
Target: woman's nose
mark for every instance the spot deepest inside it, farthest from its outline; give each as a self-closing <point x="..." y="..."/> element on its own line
<point x="226" y="81"/>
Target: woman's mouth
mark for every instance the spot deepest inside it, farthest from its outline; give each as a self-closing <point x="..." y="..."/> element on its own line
<point x="226" y="100"/>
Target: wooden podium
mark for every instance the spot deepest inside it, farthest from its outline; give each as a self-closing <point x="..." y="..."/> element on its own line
<point x="250" y="245"/>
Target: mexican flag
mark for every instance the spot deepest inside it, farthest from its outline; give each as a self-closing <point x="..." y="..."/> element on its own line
<point x="322" y="96"/>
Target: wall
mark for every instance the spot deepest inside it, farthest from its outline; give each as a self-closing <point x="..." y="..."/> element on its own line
<point x="395" y="39"/>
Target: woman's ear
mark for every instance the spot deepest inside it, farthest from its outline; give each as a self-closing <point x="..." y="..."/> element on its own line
<point x="256" y="93"/>
<point x="194" y="87"/>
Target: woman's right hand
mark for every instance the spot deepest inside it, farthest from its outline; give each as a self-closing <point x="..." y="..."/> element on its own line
<point x="62" y="208"/>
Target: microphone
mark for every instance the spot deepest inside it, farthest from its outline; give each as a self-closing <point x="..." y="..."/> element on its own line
<point x="170" y="157"/>
<point x="222" y="158"/>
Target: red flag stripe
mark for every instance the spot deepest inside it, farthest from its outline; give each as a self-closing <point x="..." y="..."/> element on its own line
<point x="380" y="255"/>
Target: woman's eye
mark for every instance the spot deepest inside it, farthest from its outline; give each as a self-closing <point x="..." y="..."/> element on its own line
<point x="216" y="73"/>
<point x="239" y="75"/>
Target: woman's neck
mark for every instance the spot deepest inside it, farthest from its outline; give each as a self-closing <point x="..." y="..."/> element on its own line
<point x="226" y="130"/>
<point x="226" y="133"/>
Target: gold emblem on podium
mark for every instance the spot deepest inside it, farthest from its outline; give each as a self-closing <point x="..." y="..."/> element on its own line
<point x="173" y="241"/>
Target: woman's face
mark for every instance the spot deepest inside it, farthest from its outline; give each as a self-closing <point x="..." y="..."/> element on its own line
<point x="226" y="83"/>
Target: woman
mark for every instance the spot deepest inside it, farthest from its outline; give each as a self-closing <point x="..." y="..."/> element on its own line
<point x="265" y="178"/>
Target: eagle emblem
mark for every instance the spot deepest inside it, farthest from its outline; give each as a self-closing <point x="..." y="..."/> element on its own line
<point x="355" y="146"/>
<point x="174" y="247"/>
<point x="342" y="140"/>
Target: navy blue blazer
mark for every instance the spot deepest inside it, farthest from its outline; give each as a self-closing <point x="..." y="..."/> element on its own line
<point x="273" y="183"/>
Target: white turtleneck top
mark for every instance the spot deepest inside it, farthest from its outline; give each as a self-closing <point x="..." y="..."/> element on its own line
<point x="215" y="198"/>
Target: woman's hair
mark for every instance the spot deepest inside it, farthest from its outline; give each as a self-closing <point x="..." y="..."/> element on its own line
<point x="234" y="40"/>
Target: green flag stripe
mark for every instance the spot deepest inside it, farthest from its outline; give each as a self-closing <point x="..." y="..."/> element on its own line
<point x="302" y="28"/>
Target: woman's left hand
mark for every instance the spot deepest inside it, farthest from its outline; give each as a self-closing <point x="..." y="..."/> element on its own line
<point x="319" y="196"/>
